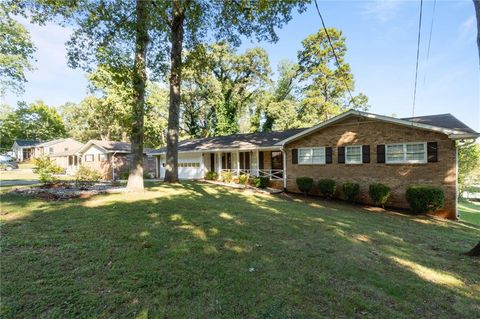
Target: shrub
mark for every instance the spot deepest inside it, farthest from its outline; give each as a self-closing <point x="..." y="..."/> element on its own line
<point x="212" y="176"/>
<point x="351" y="191"/>
<point x="46" y="170"/>
<point x="305" y="184"/>
<point x="226" y="177"/>
<point x="86" y="177"/>
<point x="423" y="199"/>
<point x="244" y="179"/>
<point x="147" y="175"/>
<point x="123" y="174"/>
<point x="379" y="193"/>
<point x="262" y="181"/>
<point x="327" y="187"/>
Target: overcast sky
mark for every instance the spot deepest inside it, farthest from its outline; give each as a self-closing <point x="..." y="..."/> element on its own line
<point x="381" y="43"/>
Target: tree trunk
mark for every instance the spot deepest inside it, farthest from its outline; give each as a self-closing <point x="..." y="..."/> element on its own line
<point x="171" y="163"/>
<point x="476" y="3"/>
<point x="135" y="178"/>
<point x="475" y="252"/>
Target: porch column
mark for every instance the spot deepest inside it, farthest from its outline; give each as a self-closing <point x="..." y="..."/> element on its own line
<point x="202" y="165"/>
<point x="258" y="162"/>
<point x="238" y="163"/>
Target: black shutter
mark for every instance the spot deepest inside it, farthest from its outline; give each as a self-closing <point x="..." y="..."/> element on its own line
<point x="260" y="160"/>
<point x="380" y="153"/>
<point x="328" y="155"/>
<point x="294" y="156"/>
<point x="341" y="155"/>
<point x="432" y="152"/>
<point x="366" y="154"/>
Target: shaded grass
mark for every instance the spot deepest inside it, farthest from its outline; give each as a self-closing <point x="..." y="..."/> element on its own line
<point x="202" y="251"/>
<point x="469" y="211"/>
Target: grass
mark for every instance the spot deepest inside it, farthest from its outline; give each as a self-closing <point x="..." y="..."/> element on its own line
<point x="203" y="251"/>
<point x="469" y="211"/>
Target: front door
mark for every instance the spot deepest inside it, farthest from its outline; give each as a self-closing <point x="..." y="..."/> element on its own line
<point x="244" y="160"/>
<point x="277" y="164"/>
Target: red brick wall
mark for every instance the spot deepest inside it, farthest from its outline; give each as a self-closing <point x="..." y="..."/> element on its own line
<point x="357" y="131"/>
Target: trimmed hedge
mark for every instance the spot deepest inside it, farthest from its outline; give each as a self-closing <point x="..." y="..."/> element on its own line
<point x="379" y="193"/>
<point x="305" y="184"/>
<point x="211" y="176"/>
<point x="424" y="199"/>
<point x="351" y="191"/>
<point x="262" y="182"/>
<point x="327" y="187"/>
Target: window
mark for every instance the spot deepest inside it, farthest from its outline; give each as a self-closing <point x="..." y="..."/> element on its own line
<point x="102" y="157"/>
<point x="406" y="153"/>
<point x="189" y="164"/>
<point x="315" y="155"/>
<point x="89" y="158"/>
<point x="65" y="149"/>
<point x="50" y="150"/>
<point x="353" y="154"/>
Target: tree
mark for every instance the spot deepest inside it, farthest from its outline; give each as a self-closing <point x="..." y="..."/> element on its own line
<point x="36" y="121"/>
<point x="220" y="84"/>
<point x="16" y="53"/>
<point x="468" y="161"/>
<point x="476" y="4"/>
<point x="325" y="84"/>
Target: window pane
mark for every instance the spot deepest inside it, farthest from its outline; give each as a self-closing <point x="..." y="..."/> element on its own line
<point x="395" y="153"/>
<point x="318" y="155"/>
<point x="305" y="156"/>
<point x="353" y="154"/>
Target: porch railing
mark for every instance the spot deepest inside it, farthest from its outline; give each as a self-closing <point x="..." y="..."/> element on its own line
<point x="273" y="174"/>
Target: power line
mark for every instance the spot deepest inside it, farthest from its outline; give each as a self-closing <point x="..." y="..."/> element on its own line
<point x="430" y="39"/>
<point x="334" y="53"/>
<point x="418" y="55"/>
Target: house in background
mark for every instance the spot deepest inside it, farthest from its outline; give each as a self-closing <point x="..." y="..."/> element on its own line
<point x="56" y="146"/>
<point x="24" y="150"/>
<point x="110" y="158"/>
<point x="354" y="146"/>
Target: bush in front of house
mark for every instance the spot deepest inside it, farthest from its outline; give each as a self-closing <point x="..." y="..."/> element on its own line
<point x="226" y="177"/>
<point x="46" y="171"/>
<point x="424" y="198"/>
<point x="244" y="179"/>
<point x="327" y="187"/>
<point x="379" y="193"/>
<point x="85" y="177"/>
<point x="123" y="174"/>
<point x="262" y="181"/>
<point x="304" y="184"/>
<point x="211" y="176"/>
<point x="147" y="175"/>
<point x="351" y="191"/>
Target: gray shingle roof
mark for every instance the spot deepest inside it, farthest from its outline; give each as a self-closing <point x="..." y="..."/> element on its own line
<point x="234" y="141"/>
<point x="442" y="120"/>
<point x="52" y="142"/>
<point x="113" y="146"/>
<point x="27" y="143"/>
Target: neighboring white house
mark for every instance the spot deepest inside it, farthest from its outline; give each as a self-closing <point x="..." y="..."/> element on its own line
<point x="23" y="150"/>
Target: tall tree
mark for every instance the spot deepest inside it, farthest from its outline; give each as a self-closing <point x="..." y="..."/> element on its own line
<point x="16" y="52"/>
<point x="36" y="121"/>
<point x="325" y="83"/>
<point x="476" y="4"/>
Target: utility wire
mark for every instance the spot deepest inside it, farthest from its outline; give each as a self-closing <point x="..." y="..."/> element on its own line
<point x="430" y="40"/>
<point x="334" y="53"/>
<point x="418" y="55"/>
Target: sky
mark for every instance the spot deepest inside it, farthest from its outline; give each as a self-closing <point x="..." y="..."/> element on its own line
<point x="381" y="50"/>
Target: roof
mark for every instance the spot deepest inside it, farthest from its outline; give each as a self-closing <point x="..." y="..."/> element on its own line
<point x="27" y="143"/>
<point x="463" y="132"/>
<point x="56" y="141"/>
<point x="442" y="120"/>
<point x="72" y="151"/>
<point x="111" y="147"/>
<point x="234" y="141"/>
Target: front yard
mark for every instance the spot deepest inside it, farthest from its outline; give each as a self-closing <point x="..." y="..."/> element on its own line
<point x="203" y="251"/>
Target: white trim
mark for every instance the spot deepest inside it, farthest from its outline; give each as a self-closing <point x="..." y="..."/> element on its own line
<point x="311" y="149"/>
<point x="453" y="134"/>
<point x="405" y="161"/>
<point x="227" y="150"/>
<point x="346" y="154"/>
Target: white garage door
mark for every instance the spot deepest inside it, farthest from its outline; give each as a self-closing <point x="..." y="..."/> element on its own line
<point x="189" y="166"/>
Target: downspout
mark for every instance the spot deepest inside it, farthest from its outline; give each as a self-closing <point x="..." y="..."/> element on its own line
<point x="113" y="166"/>
<point x="459" y="145"/>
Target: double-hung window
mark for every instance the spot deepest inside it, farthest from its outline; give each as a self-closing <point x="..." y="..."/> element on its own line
<point x="353" y="154"/>
<point x="89" y="158"/>
<point x="406" y="153"/>
<point x="313" y="155"/>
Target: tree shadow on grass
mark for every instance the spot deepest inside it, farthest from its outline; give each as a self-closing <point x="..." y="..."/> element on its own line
<point x="197" y="250"/>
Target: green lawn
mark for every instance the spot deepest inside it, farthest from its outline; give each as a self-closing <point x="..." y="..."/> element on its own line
<point x="469" y="211"/>
<point x="203" y="251"/>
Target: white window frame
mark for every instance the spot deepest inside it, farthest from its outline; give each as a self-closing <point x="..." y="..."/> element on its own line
<point x="92" y="157"/>
<point x="102" y="157"/>
<point x="346" y="154"/>
<point x="405" y="161"/>
<point x="322" y="148"/>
